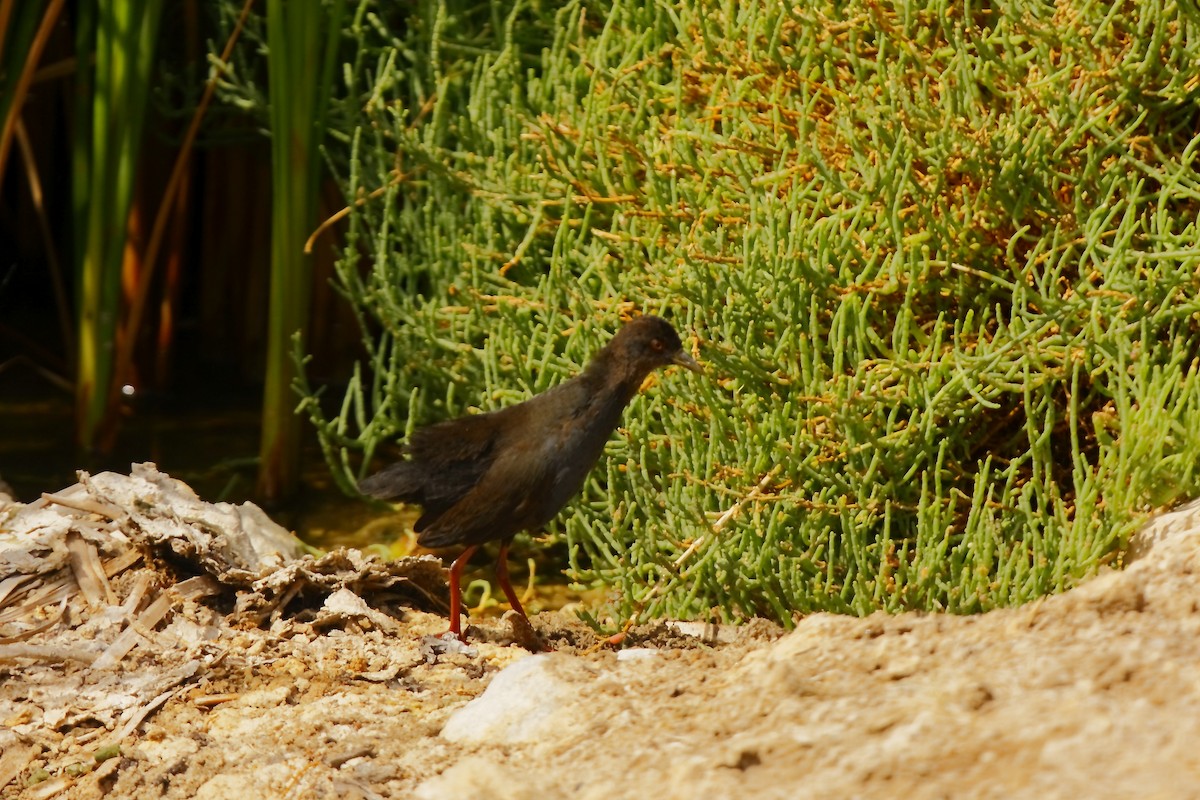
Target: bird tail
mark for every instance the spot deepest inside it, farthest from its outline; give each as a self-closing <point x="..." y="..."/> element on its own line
<point x="403" y="480"/>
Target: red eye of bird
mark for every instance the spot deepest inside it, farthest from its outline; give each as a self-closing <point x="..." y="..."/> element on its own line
<point x="657" y="345"/>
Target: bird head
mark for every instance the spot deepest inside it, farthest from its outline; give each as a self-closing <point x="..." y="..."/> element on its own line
<point x="647" y="343"/>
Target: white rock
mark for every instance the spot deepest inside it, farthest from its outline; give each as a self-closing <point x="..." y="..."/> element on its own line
<point x="707" y="632"/>
<point x="525" y="702"/>
<point x="1173" y="526"/>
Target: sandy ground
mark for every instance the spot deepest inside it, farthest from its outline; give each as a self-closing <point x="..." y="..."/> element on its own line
<point x="1094" y="693"/>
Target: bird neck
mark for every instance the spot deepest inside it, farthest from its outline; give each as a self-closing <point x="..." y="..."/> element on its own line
<point x="613" y="377"/>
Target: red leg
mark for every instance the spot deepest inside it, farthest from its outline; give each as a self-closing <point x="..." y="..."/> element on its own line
<point x="502" y="577"/>
<point x="456" y="592"/>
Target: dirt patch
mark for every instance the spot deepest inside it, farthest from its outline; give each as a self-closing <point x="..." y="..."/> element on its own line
<point x="1095" y="693"/>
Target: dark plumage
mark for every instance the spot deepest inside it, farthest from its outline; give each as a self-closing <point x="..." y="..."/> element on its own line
<point x="491" y="476"/>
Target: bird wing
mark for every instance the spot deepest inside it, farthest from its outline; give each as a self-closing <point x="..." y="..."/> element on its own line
<point x="469" y="438"/>
<point x="509" y="497"/>
<point x="444" y="462"/>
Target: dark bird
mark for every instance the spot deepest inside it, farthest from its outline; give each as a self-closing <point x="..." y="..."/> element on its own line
<point x="490" y="476"/>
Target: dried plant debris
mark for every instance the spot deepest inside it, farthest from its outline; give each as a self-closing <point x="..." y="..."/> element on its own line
<point x="235" y="544"/>
<point x="419" y="579"/>
<point x="101" y="621"/>
<point x="99" y="526"/>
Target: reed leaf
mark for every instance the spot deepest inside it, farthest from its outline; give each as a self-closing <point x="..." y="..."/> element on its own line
<point x="302" y="40"/>
<point x="111" y="108"/>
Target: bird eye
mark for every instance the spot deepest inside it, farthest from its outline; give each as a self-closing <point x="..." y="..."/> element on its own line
<point x="657" y="345"/>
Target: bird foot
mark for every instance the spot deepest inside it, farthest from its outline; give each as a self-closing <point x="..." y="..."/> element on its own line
<point x="523" y="634"/>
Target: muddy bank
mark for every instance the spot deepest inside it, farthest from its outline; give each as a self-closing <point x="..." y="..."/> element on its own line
<point x="344" y="690"/>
